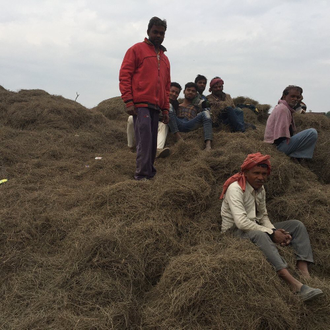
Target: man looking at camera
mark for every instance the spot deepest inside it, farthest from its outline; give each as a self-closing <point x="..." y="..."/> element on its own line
<point x="244" y="212"/>
<point x="144" y="82"/>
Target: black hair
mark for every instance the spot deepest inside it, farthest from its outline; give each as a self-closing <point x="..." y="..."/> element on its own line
<point x="189" y="85"/>
<point x="263" y="165"/>
<point x="288" y="89"/>
<point x="158" y="22"/>
<point x="177" y="85"/>
<point x="200" y="77"/>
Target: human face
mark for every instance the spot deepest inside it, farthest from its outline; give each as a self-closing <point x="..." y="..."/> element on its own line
<point x="217" y="89"/>
<point x="201" y="84"/>
<point x="156" y="34"/>
<point x="256" y="176"/>
<point x="190" y="93"/>
<point x="174" y="93"/>
<point x="293" y="97"/>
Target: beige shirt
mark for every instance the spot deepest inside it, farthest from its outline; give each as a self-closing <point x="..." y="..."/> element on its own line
<point x="245" y="210"/>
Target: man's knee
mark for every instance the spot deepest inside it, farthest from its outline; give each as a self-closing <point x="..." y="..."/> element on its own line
<point x="313" y="134"/>
<point x="207" y="114"/>
<point x="259" y="236"/>
<point x="238" y="111"/>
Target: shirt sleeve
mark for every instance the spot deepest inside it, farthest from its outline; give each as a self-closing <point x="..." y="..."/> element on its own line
<point x="125" y="77"/>
<point x="235" y="199"/>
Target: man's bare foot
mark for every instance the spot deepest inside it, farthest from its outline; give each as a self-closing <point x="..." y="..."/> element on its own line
<point x="208" y="146"/>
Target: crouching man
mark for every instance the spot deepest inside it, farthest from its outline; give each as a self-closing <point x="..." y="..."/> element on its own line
<point x="244" y="210"/>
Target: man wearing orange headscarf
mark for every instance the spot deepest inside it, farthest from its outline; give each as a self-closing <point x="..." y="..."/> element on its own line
<point x="244" y="211"/>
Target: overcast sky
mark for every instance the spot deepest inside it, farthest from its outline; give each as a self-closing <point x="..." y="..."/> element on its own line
<point x="257" y="47"/>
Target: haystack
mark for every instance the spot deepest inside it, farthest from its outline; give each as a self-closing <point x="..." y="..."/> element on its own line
<point x="84" y="246"/>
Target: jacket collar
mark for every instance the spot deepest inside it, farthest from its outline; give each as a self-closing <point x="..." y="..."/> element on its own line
<point x="148" y="42"/>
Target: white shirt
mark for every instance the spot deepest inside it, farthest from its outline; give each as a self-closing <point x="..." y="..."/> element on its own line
<point x="245" y="210"/>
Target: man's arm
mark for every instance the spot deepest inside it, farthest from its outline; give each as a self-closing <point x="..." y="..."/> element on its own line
<point x="125" y="80"/>
<point x="165" y="111"/>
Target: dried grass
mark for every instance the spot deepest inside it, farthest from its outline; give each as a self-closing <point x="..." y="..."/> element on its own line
<point x="84" y="246"/>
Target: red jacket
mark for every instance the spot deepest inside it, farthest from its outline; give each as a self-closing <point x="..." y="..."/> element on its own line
<point x="144" y="77"/>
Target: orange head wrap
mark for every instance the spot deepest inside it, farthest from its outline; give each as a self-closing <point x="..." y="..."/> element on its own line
<point x="250" y="161"/>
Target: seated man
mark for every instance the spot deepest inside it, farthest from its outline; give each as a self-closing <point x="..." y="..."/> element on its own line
<point x="280" y="127"/>
<point x="162" y="128"/>
<point x="200" y="99"/>
<point x="189" y="117"/>
<point x="223" y="109"/>
<point x="244" y="211"/>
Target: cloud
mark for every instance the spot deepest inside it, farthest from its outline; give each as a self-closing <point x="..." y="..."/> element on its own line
<point x="258" y="47"/>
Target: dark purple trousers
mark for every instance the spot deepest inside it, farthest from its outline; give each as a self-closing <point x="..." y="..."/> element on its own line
<point x="146" y="130"/>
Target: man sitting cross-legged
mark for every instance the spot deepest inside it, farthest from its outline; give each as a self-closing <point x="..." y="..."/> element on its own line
<point x="223" y="109"/>
<point x="189" y="117"/>
<point x="244" y="210"/>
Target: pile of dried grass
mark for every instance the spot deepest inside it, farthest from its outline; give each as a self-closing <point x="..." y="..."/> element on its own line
<point x="84" y="246"/>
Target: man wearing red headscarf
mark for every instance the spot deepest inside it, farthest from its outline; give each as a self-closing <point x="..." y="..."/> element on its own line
<point x="244" y="211"/>
<point x="223" y="109"/>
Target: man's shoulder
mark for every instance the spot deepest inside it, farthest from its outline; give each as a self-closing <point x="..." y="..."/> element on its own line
<point x="141" y="44"/>
<point x="211" y="97"/>
<point x="234" y="188"/>
<point x="280" y="108"/>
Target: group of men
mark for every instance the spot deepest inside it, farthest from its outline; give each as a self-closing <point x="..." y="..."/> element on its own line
<point x="147" y="91"/>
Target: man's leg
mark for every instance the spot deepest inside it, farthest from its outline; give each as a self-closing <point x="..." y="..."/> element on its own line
<point x="130" y="132"/>
<point x="207" y="125"/>
<point x="203" y="118"/>
<point x="236" y="119"/>
<point x="154" y="132"/>
<point x="173" y="124"/>
<point x="161" y="139"/>
<point x="146" y="143"/>
<point x="300" y="243"/>
<point x="162" y="135"/>
<point x="301" y="145"/>
<point x="268" y="247"/>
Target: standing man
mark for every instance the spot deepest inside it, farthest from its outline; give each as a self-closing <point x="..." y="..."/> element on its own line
<point x="162" y="152"/>
<point x="144" y="82"/>
<point x="244" y="211"/>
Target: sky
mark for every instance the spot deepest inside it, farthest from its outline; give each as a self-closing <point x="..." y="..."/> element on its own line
<point x="75" y="48"/>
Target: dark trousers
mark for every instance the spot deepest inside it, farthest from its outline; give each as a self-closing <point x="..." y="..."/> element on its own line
<point x="234" y="117"/>
<point x="146" y="130"/>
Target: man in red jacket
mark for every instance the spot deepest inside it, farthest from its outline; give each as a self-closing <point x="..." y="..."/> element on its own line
<point x="144" y="82"/>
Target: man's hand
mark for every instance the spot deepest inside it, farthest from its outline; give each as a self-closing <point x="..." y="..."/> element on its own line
<point x="282" y="237"/>
<point x="131" y="110"/>
<point x="166" y="118"/>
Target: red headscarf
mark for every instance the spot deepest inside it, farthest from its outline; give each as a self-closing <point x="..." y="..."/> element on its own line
<point x="215" y="81"/>
<point x="250" y="161"/>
